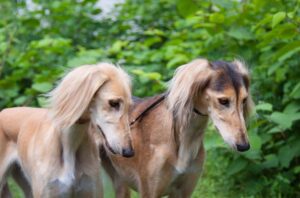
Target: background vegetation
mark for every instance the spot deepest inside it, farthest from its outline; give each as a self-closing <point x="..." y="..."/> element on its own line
<point x="150" y="38"/>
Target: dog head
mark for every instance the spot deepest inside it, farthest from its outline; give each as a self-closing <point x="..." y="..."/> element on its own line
<point x="102" y="93"/>
<point x="229" y="102"/>
<point x="110" y="110"/>
<point x="218" y="89"/>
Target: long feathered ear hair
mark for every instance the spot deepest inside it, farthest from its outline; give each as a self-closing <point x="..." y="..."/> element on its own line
<point x="70" y="99"/>
<point x="186" y="87"/>
<point x="249" y="107"/>
<point x="187" y="84"/>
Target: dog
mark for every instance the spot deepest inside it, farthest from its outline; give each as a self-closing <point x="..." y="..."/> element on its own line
<point x="55" y="146"/>
<point x="168" y="130"/>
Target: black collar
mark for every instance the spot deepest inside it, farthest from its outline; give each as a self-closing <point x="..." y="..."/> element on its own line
<point x="159" y="100"/>
<point x="199" y="113"/>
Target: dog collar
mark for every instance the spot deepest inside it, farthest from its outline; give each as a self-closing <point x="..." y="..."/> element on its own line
<point x="82" y="120"/>
<point x="199" y="113"/>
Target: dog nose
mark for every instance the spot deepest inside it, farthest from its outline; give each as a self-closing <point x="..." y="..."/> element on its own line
<point x="243" y="147"/>
<point x="128" y="152"/>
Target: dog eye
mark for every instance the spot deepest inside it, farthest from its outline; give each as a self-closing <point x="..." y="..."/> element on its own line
<point x="224" y="101"/>
<point x="114" y="104"/>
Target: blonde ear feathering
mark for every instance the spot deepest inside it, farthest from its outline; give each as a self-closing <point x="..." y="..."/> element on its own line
<point x="186" y="85"/>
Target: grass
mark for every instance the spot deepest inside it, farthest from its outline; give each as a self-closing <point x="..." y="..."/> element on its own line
<point x="214" y="183"/>
<point x="14" y="188"/>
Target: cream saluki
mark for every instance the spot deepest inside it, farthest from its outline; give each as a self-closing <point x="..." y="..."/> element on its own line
<point x="168" y="130"/>
<point x="55" y="147"/>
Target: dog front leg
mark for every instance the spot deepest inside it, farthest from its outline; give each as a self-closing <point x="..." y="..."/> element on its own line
<point x="120" y="187"/>
<point x="5" y="192"/>
<point x="186" y="188"/>
<point x="146" y="191"/>
<point x="188" y="181"/>
<point x="19" y="177"/>
<point x="121" y="190"/>
<point x="8" y="154"/>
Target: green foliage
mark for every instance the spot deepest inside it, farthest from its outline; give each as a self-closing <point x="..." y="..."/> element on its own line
<point x="152" y="38"/>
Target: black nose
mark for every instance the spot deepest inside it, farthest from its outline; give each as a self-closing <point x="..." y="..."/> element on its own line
<point x="243" y="147"/>
<point x="128" y="152"/>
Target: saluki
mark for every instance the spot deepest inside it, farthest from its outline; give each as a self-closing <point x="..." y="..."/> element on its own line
<point x="55" y="147"/>
<point x="168" y="130"/>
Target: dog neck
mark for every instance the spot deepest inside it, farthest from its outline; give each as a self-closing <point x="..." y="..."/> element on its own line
<point x="189" y="140"/>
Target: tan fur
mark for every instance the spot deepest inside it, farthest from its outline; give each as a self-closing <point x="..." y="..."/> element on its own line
<point x="168" y="140"/>
<point x="54" y="147"/>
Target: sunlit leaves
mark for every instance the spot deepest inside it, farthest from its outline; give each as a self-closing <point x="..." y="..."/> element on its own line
<point x="277" y="18"/>
<point x="42" y="87"/>
<point x="263" y="106"/>
<point x="236" y="166"/>
<point x="187" y="7"/>
<point x="284" y="120"/>
<point x="296" y="91"/>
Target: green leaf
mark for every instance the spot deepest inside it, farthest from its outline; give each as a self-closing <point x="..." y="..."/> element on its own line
<point x="85" y="57"/>
<point x="177" y="61"/>
<point x="147" y="75"/>
<point x="296" y="170"/>
<point x="296" y="91"/>
<point x="287" y="51"/>
<point x="271" y="161"/>
<point x="277" y="18"/>
<point x="292" y="107"/>
<point x="20" y="100"/>
<point x="154" y="32"/>
<point x="285" y="155"/>
<point x="223" y="4"/>
<point x="216" y="18"/>
<point x="186" y="7"/>
<point x="264" y="106"/>
<point x="275" y="129"/>
<point x="273" y="68"/>
<point x="117" y="46"/>
<point x="284" y="120"/>
<point x="236" y="166"/>
<point x="154" y="75"/>
<point x="42" y="87"/>
<point x="213" y="140"/>
<point x="151" y="41"/>
<point x="255" y="141"/>
<point x="43" y="102"/>
<point x="242" y="33"/>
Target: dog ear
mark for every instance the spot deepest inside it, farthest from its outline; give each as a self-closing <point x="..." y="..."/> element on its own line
<point x="187" y="86"/>
<point x="249" y="108"/>
<point x="242" y="69"/>
<point x="188" y="83"/>
<point x="71" y="98"/>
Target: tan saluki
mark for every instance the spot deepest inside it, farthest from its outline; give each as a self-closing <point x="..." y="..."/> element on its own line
<point x="55" y="147"/>
<point x="168" y="130"/>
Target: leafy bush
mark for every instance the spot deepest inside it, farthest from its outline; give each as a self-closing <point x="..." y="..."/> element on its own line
<point x="152" y="38"/>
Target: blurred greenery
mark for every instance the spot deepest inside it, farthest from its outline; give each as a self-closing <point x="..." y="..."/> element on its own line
<point x="150" y="39"/>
